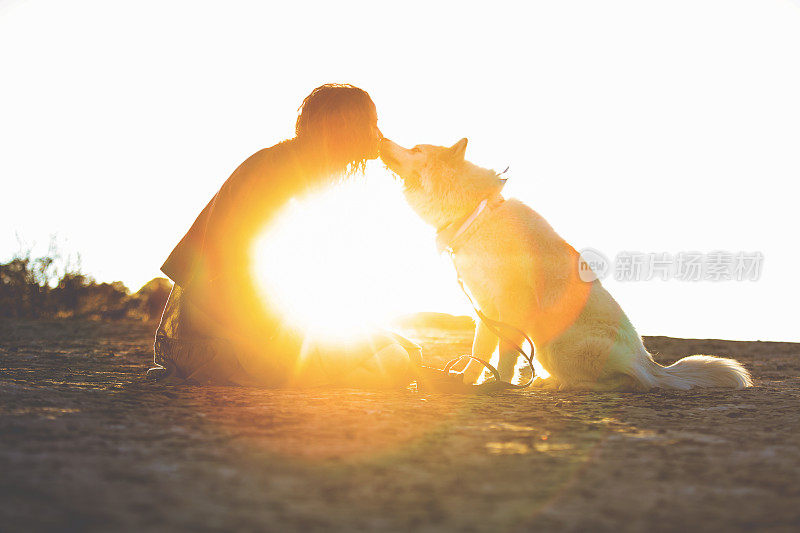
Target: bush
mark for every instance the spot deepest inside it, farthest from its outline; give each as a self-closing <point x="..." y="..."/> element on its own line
<point x="151" y="298"/>
<point x="33" y="288"/>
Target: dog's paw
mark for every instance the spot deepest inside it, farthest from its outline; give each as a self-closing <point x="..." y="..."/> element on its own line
<point x="549" y="383"/>
<point x="472" y="373"/>
<point x="462" y="377"/>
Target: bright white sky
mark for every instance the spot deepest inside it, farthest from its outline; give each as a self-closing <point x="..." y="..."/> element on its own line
<point x="630" y="125"/>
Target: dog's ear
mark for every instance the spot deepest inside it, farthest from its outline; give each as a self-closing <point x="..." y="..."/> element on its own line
<point x="457" y="151"/>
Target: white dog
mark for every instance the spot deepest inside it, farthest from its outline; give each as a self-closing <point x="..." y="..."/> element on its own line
<point x="521" y="272"/>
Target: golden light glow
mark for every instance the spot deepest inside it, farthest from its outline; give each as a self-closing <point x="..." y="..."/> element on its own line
<point x="350" y="258"/>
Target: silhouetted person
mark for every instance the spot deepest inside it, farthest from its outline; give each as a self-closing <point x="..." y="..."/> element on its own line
<point x="216" y="326"/>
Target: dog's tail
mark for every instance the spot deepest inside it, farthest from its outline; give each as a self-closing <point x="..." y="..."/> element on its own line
<point x="692" y="371"/>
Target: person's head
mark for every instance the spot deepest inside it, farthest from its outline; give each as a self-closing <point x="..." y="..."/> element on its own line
<point x="339" y="123"/>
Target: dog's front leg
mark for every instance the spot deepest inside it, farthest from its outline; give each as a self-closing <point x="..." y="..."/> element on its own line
<point x="483" y="346"/>
<point x="508" y="356"/>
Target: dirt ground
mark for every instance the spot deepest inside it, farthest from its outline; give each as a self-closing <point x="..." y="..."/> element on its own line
<point x="87" y="444"/>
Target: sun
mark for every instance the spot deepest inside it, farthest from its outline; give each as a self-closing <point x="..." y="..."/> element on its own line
<point x="351" y="258"/>
<point x="341" y="262"/>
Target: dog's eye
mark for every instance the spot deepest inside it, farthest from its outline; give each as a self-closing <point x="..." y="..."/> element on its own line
<point x="415" y="150"/>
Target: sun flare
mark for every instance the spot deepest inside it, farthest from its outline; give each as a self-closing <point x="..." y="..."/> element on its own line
<point x="351" y="258"/>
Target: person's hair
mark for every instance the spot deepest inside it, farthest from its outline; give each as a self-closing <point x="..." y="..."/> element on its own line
<point x="336" y="120"/>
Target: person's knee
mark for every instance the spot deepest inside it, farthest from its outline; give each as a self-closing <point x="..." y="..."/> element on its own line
<point x="389" y="367"/>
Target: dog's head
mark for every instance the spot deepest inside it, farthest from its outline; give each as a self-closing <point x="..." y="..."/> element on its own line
<point x="439" y="184"/>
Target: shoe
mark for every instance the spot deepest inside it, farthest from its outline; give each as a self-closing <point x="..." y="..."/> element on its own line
<point x="157" y="373"/>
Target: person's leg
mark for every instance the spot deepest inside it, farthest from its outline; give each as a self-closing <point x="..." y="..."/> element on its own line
<point x="389" y="367"/>
<point x="162" y="349"/>
<point x="189" y="347"/>
<point x="377" y="361"/>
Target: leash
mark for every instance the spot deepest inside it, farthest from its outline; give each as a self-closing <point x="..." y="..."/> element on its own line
<point x="443" y="381"/>
<point x="495" y="326"/>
